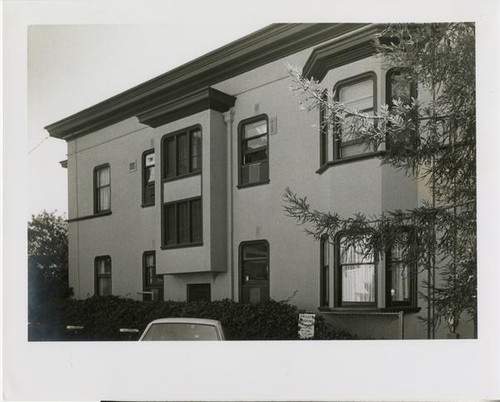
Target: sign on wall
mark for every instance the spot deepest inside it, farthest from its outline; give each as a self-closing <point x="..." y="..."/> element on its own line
<point x="306" y="326"/>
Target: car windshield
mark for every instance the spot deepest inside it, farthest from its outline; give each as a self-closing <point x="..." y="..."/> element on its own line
<point x="181" y="332"/>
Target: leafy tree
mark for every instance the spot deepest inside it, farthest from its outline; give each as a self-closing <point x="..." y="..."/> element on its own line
<point x="47" y="257"/>
<point x="433" y="140"/>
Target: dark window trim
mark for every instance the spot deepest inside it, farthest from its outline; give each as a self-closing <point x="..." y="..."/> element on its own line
<point x="96" y="276"/>
<point x="388" y="76"/>
<point x="347" y="82"/>
<point x="146" y="203"/>
<point x="240" y="265"/>
<point x="164" y="246"/>
<point x="241" y="124"/>
<point x="164" y="157"/>
<point x="98" y="212"/>
<point x="350" y="159"/>
<point x="189" y="287"/>
<point x="324" y="280"/>
<point x="338" y="279"/>
<point x="323" y="131"/>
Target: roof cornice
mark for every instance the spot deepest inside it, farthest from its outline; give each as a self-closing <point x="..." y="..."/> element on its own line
<point x="264" y="46"/>
<point x="342" y="50"/>
<point x="206" y="98"/>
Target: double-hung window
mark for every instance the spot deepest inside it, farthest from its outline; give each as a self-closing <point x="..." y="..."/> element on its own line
<point x="358" y="94"/>
<point x="182" y="153"/>
<point x="152" y="283"/>
<point x="148" y="178"/>
<point x="183" y="223"/>
<point x="102" y="189"/>
<point x="355" y="273"/>
<point x="102" y="275"/>
<point x="254" y="152"/>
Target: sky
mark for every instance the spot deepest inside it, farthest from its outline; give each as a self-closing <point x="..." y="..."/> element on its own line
<point x="72" y="67"/>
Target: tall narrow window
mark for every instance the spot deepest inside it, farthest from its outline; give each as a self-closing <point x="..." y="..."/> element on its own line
<point x="254" y="273"/>
<point x="355" y="274"/>
<point x="183" y="223"/>
<point x="324" y="271"/>
<point x="357" y="94"/>
<point x="148" y="178"/>
<point x="399" y="88"/>
<point x="181" y="153"/>
<point x="102" y="276"/>
<point x="152" y="283"/>
<point x="400" y="279"/>
<point x="102" y="189"/>
<point x="254" y="155"/>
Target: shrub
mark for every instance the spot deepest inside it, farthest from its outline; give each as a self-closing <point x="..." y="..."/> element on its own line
<point x="102" y="318"/>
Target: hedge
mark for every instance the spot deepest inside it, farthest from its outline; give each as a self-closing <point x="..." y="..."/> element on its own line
<point x="102" y="318"/>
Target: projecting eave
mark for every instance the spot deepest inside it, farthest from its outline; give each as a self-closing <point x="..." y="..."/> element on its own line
<point x="261" y="47"/>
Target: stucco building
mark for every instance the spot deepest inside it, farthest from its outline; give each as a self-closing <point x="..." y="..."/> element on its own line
<point x="176" y="185"/>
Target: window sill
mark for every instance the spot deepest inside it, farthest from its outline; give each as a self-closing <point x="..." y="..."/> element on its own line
<point x="96" y="215"/>
<point x="147" y="205"/>
<point x="349" y="159"/>
<point x="182" y="176"/>
<point x="183" y="245"/>
<point x="239" y="186"/>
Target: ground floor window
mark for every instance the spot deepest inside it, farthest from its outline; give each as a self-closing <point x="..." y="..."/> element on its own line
<point x="254" y="271"/>
<point x="152" y="283"/>
<point x="400" y="278"/>
<point x="355" y="273"/>
<point x="102" y="276"/>
<point x="324" y="271"/>
<point x="198" y="292"/>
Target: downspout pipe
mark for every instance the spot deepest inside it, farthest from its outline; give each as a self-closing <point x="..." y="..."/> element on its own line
<point x="228" y="119"/>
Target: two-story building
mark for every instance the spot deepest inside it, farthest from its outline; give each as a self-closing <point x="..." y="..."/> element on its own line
<point x="176" y="185"/>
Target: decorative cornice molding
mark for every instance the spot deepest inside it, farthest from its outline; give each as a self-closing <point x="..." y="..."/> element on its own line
<point x="206" y="98"/>
<point x="264" y="46"/>
<point x="345" y="49"/>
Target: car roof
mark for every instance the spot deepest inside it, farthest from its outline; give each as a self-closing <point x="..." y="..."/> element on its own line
<point x="183" y="320"/>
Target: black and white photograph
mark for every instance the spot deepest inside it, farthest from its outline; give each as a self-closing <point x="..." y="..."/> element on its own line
<point x="309" y="196"/>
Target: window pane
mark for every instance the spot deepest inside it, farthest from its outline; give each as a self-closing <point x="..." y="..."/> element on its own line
<point x="255" y="143"/>
<point x="170" y="153"/>
<point x="358" y="283"/>
<point x="195" y="150"/>
<point x="150" y="174"/>
<point x="182" y="214"/>
<point x="104" y="286"/>
<point x="182" y="154"/>
<point x="254" y="157"/>
<point x="255" y="250"/>
<point x="104" y="266"/>
<point x="255" y="270"/>
<point x="196" y="221"/>
<point x="325" y="252"/>
<point x="354" y="254"/>
<point x="399" y="88"/>
<point x="170" y="224"/>
<point x="150" y="160"/>
<point x="103" y="176"/>
<point x="104" y="198"/>
<point x="254" y="129"/>
<point x="400" y="282"/>
<point x="358" y="96"/>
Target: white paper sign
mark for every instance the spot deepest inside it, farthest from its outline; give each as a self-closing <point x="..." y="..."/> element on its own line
<point x="306" y="326"/>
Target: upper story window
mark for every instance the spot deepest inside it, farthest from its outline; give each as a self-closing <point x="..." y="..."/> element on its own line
<point x="354" y="274"/>
<point x="148" y="178"/>
<point x="254" y="151"/>
<point x="102" y="188"/>
<point x="152" y="283"/>
<point x="182" y="223"/>
<point x="358" y="94"/>
<point x="102" y="276"/>
<point x="181" y="153"/>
